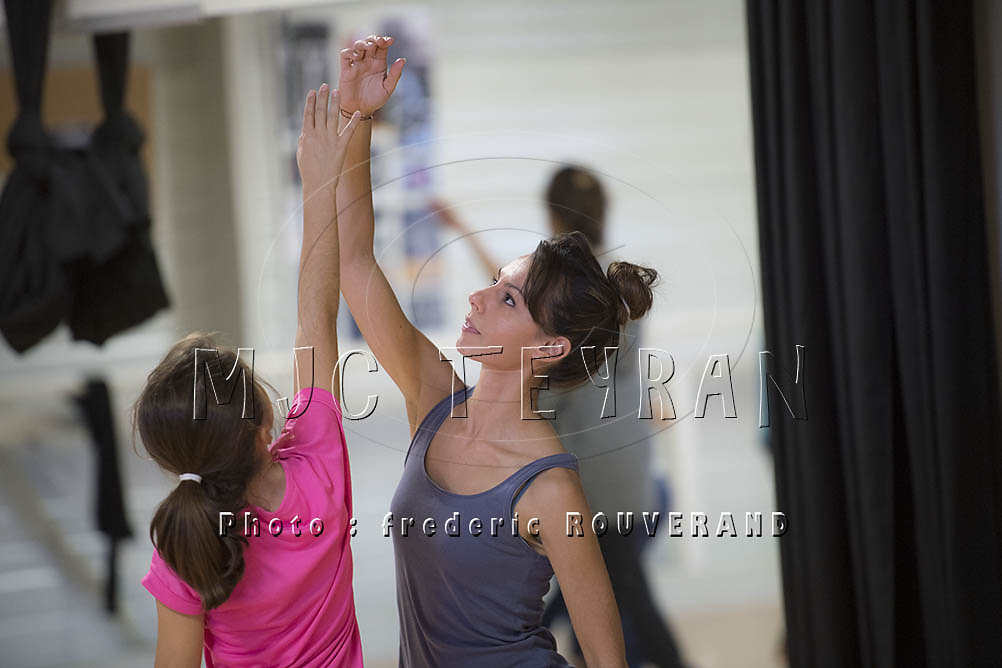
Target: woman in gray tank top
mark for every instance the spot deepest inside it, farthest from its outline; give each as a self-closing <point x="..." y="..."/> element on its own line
<point x="479" y="517"/>
<point x="614" y="454"/>
<point x="472" y="599"/>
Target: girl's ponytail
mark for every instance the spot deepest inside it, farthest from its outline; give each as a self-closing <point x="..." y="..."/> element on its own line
<point x="185" y="532"/>
<point x="222" y="449"/>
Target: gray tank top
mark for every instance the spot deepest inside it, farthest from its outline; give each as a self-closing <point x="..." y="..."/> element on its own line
<point x="468" y="600"/>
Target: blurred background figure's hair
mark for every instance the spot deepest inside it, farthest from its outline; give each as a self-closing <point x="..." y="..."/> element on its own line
<point x="577" y="202"/>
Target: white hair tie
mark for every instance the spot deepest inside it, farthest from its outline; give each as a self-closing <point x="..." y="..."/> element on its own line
<point x="191" y="476"/>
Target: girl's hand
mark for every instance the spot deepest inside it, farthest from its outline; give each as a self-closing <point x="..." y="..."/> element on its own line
<point x="365" y="83"/>
<point x="321" y="150"/>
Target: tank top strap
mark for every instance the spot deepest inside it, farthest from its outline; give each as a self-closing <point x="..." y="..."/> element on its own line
<point x="517" y="483"/>
<point x="433" y="420"/>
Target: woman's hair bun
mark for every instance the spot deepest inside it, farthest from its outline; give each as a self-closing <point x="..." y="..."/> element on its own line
<point x="634" y="284"/>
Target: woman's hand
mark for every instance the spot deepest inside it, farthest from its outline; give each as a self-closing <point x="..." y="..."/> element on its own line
<point x="365" y="83"/>
<point x="321" y="150"/>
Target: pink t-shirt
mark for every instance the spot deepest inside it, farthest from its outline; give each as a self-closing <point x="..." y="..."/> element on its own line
<point x="294" y="605"/>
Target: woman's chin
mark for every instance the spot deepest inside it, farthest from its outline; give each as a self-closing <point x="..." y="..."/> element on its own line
<point x="472" y="344"/>
<point x="463" y="346"/>
<point x="468" y="345"/>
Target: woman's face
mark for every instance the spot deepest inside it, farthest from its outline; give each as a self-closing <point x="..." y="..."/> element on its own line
<point x="498" y="316"/>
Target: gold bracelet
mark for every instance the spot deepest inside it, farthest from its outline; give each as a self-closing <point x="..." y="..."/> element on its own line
<point x="361" y="118"/>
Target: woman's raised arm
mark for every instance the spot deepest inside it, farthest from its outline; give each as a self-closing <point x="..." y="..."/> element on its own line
<point x="320" y="157"/>
<point x="409" y="357"/>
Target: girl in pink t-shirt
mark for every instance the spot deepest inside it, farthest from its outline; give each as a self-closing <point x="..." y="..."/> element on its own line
<point x="252" y="565"/>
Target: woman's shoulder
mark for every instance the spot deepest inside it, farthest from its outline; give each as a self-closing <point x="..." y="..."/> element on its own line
<point x="543" y="439"/>
<point x="555" y="485"/>
<point x="527" y="447"/>
<point x="539" y="451"/>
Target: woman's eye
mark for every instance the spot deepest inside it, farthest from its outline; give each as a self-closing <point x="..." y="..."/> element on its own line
<point x="508" y="299"/>
<point x="494" y="280"/>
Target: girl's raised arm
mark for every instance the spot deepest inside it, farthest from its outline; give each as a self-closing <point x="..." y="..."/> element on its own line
<point x="320" y="157"/>
<point x="409" y="357"/>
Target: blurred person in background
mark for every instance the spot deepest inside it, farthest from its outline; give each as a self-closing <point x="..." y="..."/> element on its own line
<point x="614" y="453"/>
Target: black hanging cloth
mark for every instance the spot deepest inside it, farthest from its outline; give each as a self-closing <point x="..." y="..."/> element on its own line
<point x="42" y="201"/>
<point x="873" y="254"/>
<point x="74" y="224"/>
<point x="118" y="285"/>
<point x="111" y="517"/>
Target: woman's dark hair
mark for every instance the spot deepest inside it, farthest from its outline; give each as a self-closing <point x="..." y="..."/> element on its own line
<point x="577" y="202"/>
<point x="569" y="295"/>
<point x="221" y="448"/>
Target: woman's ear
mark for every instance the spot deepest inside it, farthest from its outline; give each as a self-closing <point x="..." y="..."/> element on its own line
<point x="552" y="357"/>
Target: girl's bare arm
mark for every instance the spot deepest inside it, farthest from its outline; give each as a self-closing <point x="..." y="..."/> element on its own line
<point x="320" y="156"/>
<point x="179" y="639"/>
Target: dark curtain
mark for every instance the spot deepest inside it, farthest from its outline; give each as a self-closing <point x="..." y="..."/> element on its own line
<point x="873" y="254"/>
<point x="74" y="223"/>
<point x="41" y="190"/>
<point x="118" y="284"/>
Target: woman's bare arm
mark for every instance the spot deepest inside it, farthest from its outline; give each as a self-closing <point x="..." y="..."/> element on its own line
<point x="578" y="564"/>
<point x="411" y="359"/>
<point x="179" y="639"/>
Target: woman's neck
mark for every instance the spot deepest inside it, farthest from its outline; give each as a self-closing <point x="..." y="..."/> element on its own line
<point x="500" y="397"/>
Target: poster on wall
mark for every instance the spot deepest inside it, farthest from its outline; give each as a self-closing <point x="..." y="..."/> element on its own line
<point x="407" y="232"/>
